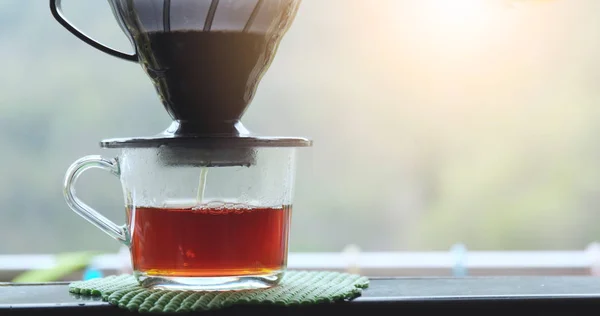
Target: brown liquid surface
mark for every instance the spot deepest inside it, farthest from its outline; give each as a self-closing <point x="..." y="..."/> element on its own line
<point x="209" y="241"/>
<point x="206" y="77"/>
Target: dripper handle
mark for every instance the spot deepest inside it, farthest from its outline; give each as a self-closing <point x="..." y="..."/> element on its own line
<point x="55" y="8"/>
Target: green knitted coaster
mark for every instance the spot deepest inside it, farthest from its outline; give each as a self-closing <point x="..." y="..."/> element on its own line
<point x="296" y="288"/>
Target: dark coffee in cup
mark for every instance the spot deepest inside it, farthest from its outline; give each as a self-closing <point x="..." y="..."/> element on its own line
<point x="210" y="241"/>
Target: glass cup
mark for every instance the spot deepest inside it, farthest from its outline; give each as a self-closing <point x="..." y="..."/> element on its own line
<point x="199" y="219"/>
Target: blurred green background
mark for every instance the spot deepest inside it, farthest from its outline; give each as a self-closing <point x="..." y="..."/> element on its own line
<point x="433" y="123"/>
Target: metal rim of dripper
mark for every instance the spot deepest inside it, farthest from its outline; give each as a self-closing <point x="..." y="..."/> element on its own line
<point x="210" y="15"/>
<point x="206" y="142"/>
<point x="237" y="137"/>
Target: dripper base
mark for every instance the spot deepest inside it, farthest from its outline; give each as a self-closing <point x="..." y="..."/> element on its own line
<point x="175" y="147"/>
<point x="183" y="135"/>
<point x="215" y="129"/>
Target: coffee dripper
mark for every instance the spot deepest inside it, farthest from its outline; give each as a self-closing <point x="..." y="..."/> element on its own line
<point x="208" y="203"/>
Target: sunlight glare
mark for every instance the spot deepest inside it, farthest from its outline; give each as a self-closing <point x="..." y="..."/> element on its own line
<point x="458" y="15"/>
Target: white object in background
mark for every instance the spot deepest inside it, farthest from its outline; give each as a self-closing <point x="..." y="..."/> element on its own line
<point x="124" y="260"/>
<point x="592" y="251"/>
<point x="351" y="255"/>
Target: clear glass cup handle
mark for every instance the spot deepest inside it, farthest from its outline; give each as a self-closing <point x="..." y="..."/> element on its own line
<point x="75" y="170"/>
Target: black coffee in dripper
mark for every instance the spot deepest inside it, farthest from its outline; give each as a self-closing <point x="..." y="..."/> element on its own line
<point x="205" y="77"/>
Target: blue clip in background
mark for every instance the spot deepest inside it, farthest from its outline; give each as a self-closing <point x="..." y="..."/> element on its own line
<point x="92" y="273"/>
<point x="459" y="254"/>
